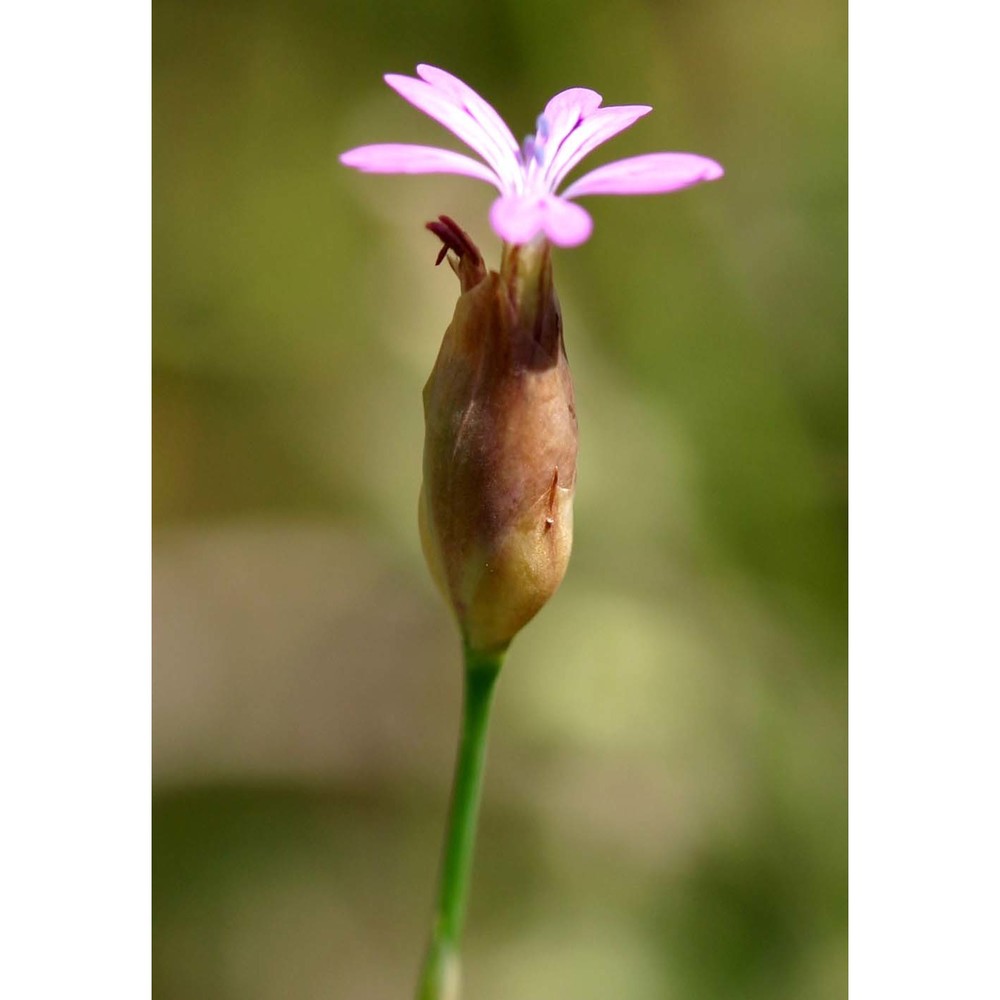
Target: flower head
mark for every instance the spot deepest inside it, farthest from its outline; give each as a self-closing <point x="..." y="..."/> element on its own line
<point x="527" y="176"/>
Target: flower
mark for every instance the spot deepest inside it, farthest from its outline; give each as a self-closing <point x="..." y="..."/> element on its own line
<point x="572" y="125"/>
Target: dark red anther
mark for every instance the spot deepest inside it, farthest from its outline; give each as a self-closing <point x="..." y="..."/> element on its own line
<point x="468" y="261"/>
<point x="454" y="238"/>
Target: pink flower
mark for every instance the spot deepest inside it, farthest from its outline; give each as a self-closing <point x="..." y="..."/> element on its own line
<point x="572" y="125"/>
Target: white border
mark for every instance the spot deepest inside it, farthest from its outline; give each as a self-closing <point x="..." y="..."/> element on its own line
<point x="74" y="420"/>
<point x="74" y="410"/>
<point x="925" y="503"/>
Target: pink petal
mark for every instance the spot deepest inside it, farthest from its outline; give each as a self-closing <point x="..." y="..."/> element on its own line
<point x="400" y="158"/>
<point x="566" y="224"/>
<point x="478" y="107"/>
<point x="653" y="173"/>
<point x="598" y="128"/>
<point x="519" y="219"/>
<point x="445" y="108"/>
<point x="577" y="102"/>
<point x="563" y="113"/>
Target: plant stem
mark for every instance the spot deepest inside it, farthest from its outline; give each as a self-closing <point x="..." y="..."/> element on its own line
<point x="440" y="977"/>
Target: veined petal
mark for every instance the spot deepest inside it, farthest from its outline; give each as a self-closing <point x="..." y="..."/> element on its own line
<point x="516" y="218"/>
<point x="596" y="129"/>
<point x="445" y="108"/>
<point x="653" y="173"/>
<point x="477" y="106"/>
<point x="401" y="158"/>
<point x="520" y="218"/>
<point x="561" y="115"/>
<point x="569" y="106"/>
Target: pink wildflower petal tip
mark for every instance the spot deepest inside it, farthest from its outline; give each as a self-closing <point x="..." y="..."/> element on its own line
<point x="518" y="219"/>
<point x="447" y="108"/>
<point x="478" y="107"/>
<point x="400" y="158"/>
<point x="593" y="131"/>
<point x="653" y="173"/>
<point x="566" y="224"/>
<point x="568" y="108"/>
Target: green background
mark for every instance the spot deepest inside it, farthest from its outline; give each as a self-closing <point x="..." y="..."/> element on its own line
<point x="665" y="804"/>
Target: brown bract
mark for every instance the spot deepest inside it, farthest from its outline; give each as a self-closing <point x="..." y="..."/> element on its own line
<point x="496" y="504"/>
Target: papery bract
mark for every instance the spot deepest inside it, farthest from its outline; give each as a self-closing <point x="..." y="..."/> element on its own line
<point x="496" y="502"/>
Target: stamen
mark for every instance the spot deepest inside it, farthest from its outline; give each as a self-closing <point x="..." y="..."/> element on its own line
<point x="454" y="238"/>
<point x="528" y="152"/>
<point x="538" y="143"/>
<point x="467" y="262"/>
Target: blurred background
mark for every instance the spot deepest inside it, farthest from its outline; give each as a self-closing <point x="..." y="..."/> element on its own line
<point x="665" y="804"/>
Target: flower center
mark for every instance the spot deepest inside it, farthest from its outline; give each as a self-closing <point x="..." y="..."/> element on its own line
<point x="533" y="152"/>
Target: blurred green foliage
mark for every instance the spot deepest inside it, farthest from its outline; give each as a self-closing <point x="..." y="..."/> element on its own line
<point x="665" y="807"/>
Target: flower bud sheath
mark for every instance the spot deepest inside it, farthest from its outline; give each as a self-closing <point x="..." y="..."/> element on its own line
<point x="500" y="447"/>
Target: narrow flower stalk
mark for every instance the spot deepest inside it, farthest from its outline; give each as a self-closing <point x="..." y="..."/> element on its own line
<point x="500" y="442"/>
<point x="441" y="976"/>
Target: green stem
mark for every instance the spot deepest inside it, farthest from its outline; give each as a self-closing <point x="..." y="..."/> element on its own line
<point x="440" y="977"/>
